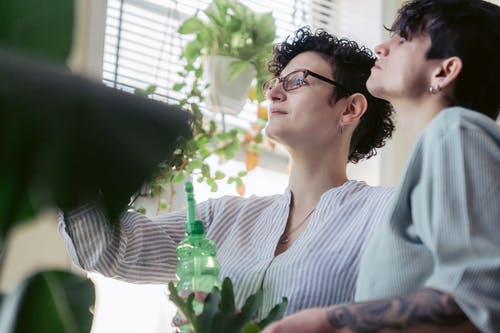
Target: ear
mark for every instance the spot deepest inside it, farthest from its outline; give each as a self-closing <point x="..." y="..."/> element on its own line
<point x="355" y="108"/>
<point x="448" y="71"/>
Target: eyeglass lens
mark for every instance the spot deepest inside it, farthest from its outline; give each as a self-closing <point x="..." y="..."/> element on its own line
<point x="291" y="81"/>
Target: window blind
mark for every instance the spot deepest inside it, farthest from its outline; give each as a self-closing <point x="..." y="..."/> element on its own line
<point x="142" y="46"/>
<point x="360" y="20"/>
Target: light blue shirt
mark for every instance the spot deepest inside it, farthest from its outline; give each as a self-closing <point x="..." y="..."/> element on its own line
<point x="443" y="230"/>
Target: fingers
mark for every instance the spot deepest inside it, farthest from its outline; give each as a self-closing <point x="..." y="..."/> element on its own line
<point x="273" y="328"/>
<point x="179" y="320"/>
<point x="199" y="296"/>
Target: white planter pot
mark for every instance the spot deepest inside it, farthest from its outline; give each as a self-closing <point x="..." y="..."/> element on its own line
<point x="225" y="95"/>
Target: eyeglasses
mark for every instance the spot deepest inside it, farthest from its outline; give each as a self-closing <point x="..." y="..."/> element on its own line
<point x="295" y="80"/>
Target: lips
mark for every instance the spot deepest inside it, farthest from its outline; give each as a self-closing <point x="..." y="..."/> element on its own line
<point x="276" y="112"/>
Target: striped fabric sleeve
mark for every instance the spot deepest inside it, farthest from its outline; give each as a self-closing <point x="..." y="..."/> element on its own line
<point x="139" y="249"/>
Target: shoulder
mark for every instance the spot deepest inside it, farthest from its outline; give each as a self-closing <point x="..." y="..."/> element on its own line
<point x="363" y="189"/>
<point x="459" y="121"/>
<point x="454" y="133"/>
<point x="361" y="193"/>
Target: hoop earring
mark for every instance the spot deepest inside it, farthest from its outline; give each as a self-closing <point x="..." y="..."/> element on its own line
<point x="434" y="89"/>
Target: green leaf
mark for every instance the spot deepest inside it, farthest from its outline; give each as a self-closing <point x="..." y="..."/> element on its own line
<point x="251" y="307"/>
<point x="213" y="185"/>
<point x="163" y="204"/>
<point x="219" y="175"/>
<point x="194" y="164"/>
<point x="191" y="26"/>
<point x="250" y="327"/>
<point x="179" y="177"/>
<point x="178" y="86"/>
<point x="184" y="306"/>
<point x="43" y="28"/>
<point x="275" y="314"/>
<point x="50" y="164"/>
<point x="49" y="302"/>
<point x="145" y="92"/>
<point x="210" y="308"/>
<point x="220" y="313"/>
<point x="192" y="50"/>
<point x="15" y="204"/>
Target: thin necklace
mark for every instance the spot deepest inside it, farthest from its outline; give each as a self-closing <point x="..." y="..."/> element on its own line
<point x="284" y="237"/>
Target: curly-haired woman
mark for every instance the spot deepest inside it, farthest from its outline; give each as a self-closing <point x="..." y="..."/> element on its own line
<point x="292" y="244"/>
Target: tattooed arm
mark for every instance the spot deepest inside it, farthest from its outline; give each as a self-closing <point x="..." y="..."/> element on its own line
<point x="426" y="310"/>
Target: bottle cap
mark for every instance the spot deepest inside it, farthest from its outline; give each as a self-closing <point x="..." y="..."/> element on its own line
<point x="195" y="228"/>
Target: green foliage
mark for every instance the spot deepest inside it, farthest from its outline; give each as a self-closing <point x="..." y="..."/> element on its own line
<point x="209" y="139"/>
<point x="42" y="28"/>
<point x="50" y="301"/>
<point x="220" y="313"/>
<point x="225" y="28"/>
<point x="229" y="28"/>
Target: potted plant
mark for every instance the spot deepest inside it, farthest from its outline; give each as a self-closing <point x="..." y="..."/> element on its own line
<point x="237" y="40"/>
<point x="235" y="44"/>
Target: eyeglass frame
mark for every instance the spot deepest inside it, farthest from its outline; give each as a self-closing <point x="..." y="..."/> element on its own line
<point x="306" y="73"/>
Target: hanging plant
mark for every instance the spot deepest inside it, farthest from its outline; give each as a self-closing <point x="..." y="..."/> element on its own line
<point x="225" y="28"/>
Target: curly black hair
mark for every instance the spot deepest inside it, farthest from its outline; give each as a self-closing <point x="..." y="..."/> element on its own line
<point x="351" y="66"/>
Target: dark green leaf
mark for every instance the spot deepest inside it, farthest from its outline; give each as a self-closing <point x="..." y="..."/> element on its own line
<point x="43" y="28"/>
<point x="220" y="314"/>
<point x="275" y="314"/>
<point x="49" y="302"/>
<point x="251" y="307"/>
<point x="210" y="308"/>
<point x="46" y="159"/>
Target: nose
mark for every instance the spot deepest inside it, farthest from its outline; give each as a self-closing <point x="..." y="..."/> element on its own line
<point x="276" y="93"/>
<point x="381" y="50"/>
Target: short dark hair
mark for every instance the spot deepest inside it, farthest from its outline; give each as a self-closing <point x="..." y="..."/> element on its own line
<point x="468" y="29"/>
<point x="351" y="66"/>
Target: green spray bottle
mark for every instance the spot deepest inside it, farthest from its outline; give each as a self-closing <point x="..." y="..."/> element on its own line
<point x="197" y="269"/>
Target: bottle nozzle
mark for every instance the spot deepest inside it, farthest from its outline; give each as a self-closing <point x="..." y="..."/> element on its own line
<point x="188" y="187"/>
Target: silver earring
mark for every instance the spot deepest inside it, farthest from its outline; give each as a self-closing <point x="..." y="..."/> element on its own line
<point x="434" y="89"/>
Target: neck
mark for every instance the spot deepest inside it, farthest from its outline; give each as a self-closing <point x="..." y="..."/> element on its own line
<point x="311" y="176"/>
<point x="413" y="116"/>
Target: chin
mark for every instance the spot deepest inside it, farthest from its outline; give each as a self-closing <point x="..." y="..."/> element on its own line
<point x="272" y="134"/>
<point x="268" y="132"/>
<point x="375" y="89"/>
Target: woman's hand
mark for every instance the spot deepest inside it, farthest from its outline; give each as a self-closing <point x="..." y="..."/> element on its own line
<point x="199" y="296"/>
<point x="308" y="321"/>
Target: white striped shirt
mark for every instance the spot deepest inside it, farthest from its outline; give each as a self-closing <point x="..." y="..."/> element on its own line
<point x="319" y="268"/>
